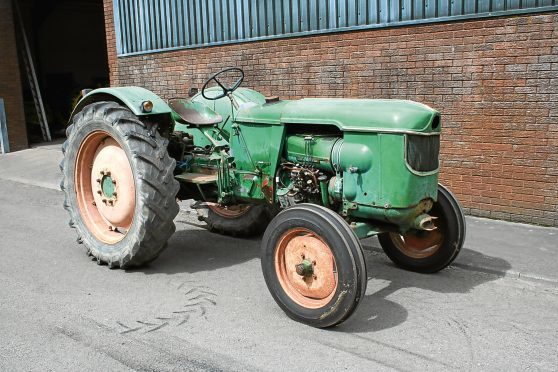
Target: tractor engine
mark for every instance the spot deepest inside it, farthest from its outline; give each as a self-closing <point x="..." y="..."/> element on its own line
<point x="308" y="169"/>
<point x="338" y="172"/>
<point x="298" y="184"/>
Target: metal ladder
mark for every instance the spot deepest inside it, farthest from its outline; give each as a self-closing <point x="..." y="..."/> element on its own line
<point x="32" y="78"/>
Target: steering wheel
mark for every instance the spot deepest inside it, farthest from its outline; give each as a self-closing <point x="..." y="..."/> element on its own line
<point x="226" y="89"/>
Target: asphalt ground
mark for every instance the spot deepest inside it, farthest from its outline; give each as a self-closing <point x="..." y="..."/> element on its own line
<point x="203" y="304"/>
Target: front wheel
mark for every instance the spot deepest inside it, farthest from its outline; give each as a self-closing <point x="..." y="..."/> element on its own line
<point x="430" y="251"/>
<point x="313" y="265"/>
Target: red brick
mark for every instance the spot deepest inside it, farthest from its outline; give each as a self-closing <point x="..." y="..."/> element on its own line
<point x="10" y="84"/>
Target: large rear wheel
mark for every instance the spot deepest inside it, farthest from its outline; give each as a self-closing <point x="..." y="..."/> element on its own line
<point x="430" y="251"/>
<point x="313" y="265"/>
<point x="119" y="186"/>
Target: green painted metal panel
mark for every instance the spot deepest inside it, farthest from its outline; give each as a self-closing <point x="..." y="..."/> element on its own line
<point x="346" y="114"/>
<point x="387" y="182"/>
<point x="132" y="97"/>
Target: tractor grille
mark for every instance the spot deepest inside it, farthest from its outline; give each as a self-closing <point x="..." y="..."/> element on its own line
<point x="422" y="152"/>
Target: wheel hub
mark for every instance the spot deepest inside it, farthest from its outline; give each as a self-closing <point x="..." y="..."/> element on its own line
<point x="107" y="186"/>
<point x="306" y="268"/>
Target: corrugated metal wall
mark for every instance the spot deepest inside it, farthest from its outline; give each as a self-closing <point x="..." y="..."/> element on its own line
<point x="156" y="25"/>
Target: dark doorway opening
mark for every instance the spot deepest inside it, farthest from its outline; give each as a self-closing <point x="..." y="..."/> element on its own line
<point x="68" y="45"/>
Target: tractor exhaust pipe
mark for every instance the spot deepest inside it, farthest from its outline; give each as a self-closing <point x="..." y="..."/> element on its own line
<point x="425" y="222"/>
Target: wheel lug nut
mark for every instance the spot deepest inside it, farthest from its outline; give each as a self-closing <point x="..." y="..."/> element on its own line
<point x="99" y="192"/>
<point x="98" y="180"/>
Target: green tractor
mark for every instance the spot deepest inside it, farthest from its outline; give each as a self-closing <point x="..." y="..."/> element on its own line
<point x="315" y="175"/>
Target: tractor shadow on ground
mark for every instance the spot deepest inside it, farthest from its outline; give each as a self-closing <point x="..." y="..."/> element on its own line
<point x="377" y="312"/>
<point x="193" y="248"/>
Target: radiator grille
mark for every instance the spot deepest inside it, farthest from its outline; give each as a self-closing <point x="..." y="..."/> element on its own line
<point x="422" y="152"/>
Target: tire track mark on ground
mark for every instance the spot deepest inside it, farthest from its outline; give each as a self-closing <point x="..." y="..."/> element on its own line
<point x="198" y="299"/>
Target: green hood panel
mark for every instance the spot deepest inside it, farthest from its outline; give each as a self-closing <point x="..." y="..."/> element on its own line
<point x="269" y="113"/>
<point x="346" y="114"/>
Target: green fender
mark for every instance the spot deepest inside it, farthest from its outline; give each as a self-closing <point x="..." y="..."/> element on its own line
<point x="131" y="97"/>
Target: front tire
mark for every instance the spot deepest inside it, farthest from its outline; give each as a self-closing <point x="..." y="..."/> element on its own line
<point x="313" y="265"/>
<point x="119" y="186"/>
<point x="430" y="251"/>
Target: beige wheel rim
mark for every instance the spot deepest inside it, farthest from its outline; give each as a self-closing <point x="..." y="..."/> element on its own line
<point x="306" y="268"/>
<point x="105" y="188"/>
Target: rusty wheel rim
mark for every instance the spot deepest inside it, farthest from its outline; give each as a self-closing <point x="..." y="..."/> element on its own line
<point x="105" y="188"/>
<point x="421" y="244"/>
<point x="232" y="211"/>
<point x="314" y="284"/>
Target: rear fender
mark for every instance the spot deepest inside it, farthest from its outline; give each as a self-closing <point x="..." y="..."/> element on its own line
<point x="132" y="98"/>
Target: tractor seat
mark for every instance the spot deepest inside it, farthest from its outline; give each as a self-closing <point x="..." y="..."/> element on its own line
<point x="194" y="113"/>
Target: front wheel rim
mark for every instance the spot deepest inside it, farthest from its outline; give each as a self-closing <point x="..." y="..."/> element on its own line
<point x="306" y="268"/>
<point x="421" y="244"/>
<point x="233" y="211"/>
<point x="105" y="187"/>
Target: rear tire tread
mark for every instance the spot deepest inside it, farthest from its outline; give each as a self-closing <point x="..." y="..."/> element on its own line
<point x="158" y="195"/>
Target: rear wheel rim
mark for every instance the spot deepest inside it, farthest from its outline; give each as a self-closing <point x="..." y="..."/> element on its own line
<point x="315" y="284"/>
<point x="105" y="187"/>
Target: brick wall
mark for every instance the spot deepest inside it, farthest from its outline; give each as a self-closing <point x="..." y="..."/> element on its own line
<point x="494" y="80"/>
<point x="10" y="82"/>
